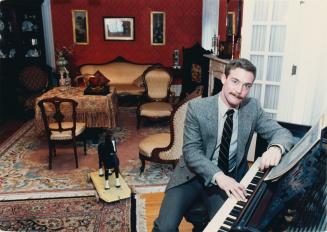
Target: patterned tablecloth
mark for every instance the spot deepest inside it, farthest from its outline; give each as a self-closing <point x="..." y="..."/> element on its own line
<point x="94" y="110"/>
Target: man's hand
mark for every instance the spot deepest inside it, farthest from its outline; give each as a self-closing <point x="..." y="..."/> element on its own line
<point x="270" y="158"/>
<point x="231" y="187"/>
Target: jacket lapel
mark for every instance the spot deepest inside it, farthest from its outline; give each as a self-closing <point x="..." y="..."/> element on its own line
<point x="244" y="129"/>
<point x="212" y="126"/>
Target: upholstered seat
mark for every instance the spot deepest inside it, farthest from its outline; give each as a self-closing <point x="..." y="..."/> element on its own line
<point x="59" y="118"/>
<point x="156" y="109"/>
<point x="157" y="81"/>
<point x="151" y="142"/>
<point x="129" y="89"/>
<point x="167" y="147"/>
<point x="67" y="134"/>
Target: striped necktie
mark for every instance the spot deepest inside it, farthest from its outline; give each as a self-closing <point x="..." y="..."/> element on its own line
<point x="223" y="158"/>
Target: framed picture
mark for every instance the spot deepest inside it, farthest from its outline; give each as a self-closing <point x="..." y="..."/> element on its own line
<point x="121" y="28"/>
<point x="158" y="28"/>
<point x="80" y="27"/>
<point x="231" y="27"/>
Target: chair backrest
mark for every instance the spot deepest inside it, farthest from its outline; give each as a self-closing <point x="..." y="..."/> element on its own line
<point x="157" y="81"/>
<point x="58" y="114"/>
<point x="33" y="78"/>
<point x="174" y="150"/>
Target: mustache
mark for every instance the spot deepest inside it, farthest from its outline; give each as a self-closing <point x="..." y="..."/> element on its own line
<point x="236" y="95"/>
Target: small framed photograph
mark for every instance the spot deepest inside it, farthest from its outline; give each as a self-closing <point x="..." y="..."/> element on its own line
<point x="158" y="28"/>
<point x="231" y="27"/>
<point x="121" y="28"/>
<point x="80" y="27"/>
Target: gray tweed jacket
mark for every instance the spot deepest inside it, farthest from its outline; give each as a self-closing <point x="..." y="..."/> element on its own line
<point x="200" y="137"/>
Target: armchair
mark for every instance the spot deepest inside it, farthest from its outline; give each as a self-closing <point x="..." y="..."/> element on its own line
<point x="157" y="81"/>
<point x="32" y="82"/>
<point x="166" y="148"/>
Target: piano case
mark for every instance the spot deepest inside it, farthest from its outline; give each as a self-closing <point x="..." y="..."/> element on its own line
<point x="294" y="201"/>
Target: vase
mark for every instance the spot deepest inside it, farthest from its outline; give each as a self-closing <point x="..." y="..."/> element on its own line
<point x="64" y="79"/>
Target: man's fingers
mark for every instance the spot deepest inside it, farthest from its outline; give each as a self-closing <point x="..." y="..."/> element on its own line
<point x="236" y="190"/>
<point x="238" y="194"/>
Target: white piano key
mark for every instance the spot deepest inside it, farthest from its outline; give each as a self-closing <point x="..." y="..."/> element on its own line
<point x="219" y="218"/>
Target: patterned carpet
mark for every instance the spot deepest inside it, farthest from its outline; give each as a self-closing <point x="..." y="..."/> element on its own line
<point x="24" y="163"/>
<point x="33" y="198"/>
<point x="66" y="214"/>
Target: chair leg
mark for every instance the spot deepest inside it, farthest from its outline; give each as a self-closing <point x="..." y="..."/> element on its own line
<point x="142" y="166"/>
<point x="84" y="143"/>
<point x="54" y="150"/>
<point x="50" y="154"/>
<point x="138" y="118"/>
<point x="75" y="153"/>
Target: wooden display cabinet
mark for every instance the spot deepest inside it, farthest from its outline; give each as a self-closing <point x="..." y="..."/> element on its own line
<point x="21" y="45"/>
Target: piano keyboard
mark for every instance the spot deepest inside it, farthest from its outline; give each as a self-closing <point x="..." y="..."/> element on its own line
<point x="231" y="209"/>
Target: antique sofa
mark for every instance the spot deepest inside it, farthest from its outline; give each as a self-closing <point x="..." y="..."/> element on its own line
<point x="124" y="75"/>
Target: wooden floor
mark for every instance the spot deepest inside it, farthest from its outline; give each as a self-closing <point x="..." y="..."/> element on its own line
<point x="152" y="207"/>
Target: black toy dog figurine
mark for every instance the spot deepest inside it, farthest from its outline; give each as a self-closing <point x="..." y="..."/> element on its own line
<point x="108" y="158"/>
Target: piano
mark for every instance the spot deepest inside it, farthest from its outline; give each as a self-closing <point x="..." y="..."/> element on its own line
<point x="289" y="197"/>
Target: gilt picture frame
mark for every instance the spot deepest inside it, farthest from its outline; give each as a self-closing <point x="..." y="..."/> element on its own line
<point x="119" y="28"/>
<point x="158" y="28"/>
<point x="80" y="27"/>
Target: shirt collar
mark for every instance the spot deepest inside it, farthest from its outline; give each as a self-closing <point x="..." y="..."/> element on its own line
<point x="223" y="108"/>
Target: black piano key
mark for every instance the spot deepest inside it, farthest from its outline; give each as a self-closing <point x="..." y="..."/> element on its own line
<point x="257" y="178"/>
<point x="228" y="223"/>
<point x="260" y="174"/>
<point x="251" y="187"/>
<point x="241" y="203"/>
<point x="224" y="228"/>
<point x="231" y="219"/>
<point x="221" y="230"/>
<point x="249" y="192"/>
<point x="255" y="181"/>
<point x="235" y="212"/>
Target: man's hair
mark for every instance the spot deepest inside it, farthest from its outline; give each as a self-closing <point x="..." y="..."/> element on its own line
<point x="240" y="63"/>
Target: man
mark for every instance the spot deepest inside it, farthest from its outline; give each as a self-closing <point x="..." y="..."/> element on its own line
<point x="202" y="170"/>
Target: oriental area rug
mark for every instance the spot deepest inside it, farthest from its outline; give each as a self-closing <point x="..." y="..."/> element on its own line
<point x="24" y="163"/>
<point x="65" y="214"/>
<point x="34" y="198"/>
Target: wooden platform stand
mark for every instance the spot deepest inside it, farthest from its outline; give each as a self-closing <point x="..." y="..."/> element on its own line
<point x="112" y="194"/>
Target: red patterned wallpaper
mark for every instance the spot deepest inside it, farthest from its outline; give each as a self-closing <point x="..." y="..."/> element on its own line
<point x="183" y="29"/>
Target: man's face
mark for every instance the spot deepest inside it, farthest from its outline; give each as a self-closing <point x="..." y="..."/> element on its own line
<point x="236" y="86"/>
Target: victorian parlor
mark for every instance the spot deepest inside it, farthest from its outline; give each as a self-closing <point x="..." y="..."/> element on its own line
<point x="83" y="78"/>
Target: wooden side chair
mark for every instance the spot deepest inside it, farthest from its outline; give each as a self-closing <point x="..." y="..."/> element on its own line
<point x="157" y="81"/>
<point x="166" y="148"/>
<point x="59" y="117"/>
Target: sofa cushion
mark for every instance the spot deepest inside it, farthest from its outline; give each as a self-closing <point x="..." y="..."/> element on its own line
<point x="98" y="80"/>
<point x="130" y="89"/>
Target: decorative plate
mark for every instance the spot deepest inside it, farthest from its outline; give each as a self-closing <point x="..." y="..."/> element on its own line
<point x="27" y="26"/>
<point x="2" y="25"/>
